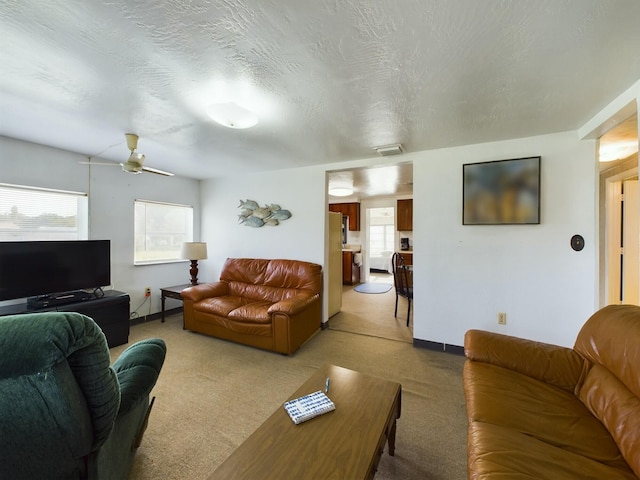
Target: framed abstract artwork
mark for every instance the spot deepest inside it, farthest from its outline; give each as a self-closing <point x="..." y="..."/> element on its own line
<point x="502" y="192"/>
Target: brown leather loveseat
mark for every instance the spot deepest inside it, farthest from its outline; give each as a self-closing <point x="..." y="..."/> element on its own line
<point x="270" y="304"/>
<point x="547" y="412"/>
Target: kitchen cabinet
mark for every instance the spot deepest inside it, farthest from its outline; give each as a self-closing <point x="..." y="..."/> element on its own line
<point x="404" y="214"/>
<point x="351" y="210"/>
<point x="407" y="257"/>
<point x="350" y="271"/>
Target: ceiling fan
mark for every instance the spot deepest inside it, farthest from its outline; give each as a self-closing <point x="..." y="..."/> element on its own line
<point x="135" y="162"/>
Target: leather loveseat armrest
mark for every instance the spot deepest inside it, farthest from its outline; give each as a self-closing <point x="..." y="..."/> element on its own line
<point x="293" y="305"/>
<point x="553" y="364"/>
<point x="205" y="290"/>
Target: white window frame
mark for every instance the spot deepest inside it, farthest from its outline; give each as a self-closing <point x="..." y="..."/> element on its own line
<point x="23" y="212"/>
<point x="160" y="242"/>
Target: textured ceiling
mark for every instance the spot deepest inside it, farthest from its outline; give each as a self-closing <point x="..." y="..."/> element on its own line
<point x="329" y="79"/>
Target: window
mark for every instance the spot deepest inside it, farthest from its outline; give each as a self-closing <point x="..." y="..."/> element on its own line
<point x="160" y="229"/>
<point x="381" y="231"/>
<point x="381" y="238"/>
<point x="31" y="213"/>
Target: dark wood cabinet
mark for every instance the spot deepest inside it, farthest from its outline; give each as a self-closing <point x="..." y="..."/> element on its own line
<point x="351" y="210"/>
<point x="350" y="271"/>
<point x="405" y="215"/>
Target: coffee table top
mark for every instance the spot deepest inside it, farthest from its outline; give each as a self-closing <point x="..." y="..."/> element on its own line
<point x="344" y="443"/>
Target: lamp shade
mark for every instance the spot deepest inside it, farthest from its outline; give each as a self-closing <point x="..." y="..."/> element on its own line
<point x="193" y="251"/>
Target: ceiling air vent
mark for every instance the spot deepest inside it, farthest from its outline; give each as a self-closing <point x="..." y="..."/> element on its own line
<point x="387" y="150"/>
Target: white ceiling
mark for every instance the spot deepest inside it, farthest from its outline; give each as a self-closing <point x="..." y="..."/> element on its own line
<point x="329" y="79"/>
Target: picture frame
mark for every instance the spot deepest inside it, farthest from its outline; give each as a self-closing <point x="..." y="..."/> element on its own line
<point x="501" y="192"/>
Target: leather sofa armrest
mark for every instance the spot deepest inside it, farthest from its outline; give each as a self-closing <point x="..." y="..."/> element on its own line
<point x="553" y="364"/>
<point x="293" y="305"/>
<point x="205" y="290"/>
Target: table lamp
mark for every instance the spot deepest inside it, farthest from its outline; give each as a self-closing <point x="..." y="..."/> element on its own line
<point x="194" y="251"/>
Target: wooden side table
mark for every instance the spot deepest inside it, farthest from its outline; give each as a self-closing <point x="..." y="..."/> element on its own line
<point x="171" y="292"/>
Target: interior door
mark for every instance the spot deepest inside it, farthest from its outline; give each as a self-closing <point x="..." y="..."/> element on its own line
<point x="630" y="243"/>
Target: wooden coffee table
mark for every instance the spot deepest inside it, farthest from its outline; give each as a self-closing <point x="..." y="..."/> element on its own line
<point x="345" y="443"/>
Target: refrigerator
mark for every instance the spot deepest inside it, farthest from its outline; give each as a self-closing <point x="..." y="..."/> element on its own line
<point x="335" y="263"/>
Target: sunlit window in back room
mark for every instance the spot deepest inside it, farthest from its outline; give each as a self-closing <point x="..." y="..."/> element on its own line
<point x="381" y="238"/>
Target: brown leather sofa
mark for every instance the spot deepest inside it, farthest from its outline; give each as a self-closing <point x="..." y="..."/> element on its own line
<point x="270" y="304"/>
<point x="547" y="412"/>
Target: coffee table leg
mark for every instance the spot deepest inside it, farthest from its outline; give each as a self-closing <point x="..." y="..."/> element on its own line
<point x="162" y="299"/>
<point x="392" y="439"/>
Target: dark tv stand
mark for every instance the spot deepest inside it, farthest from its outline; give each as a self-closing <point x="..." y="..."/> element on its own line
<point x="110" y="312"/>
<point x="58" y="299"/>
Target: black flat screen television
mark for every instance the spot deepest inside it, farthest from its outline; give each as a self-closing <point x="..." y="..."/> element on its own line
<point x="503" y="192"/>
<point x="29" y="269"/>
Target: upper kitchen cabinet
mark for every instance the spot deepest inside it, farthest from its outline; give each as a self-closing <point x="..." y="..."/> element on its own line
<point x="405" y="215"/>
<point x="351" y="210"/>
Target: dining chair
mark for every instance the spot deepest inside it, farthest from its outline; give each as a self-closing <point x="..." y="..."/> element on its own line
<point x="403" y="282"/>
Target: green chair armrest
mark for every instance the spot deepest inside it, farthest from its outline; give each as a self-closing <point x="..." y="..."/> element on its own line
<point x="137" y="370"/>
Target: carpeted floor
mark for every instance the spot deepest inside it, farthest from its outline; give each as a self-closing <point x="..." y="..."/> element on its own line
<point x="212" y="394"/>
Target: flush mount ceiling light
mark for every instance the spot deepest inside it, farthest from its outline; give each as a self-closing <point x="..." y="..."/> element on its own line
<point x="232" y="115"/>
<point x="386" y="150"/>
<point x="617" y="151"/>
<point x="340" y="191"/>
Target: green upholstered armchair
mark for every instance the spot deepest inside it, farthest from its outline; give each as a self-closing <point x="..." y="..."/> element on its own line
<point x="64" y="411"/>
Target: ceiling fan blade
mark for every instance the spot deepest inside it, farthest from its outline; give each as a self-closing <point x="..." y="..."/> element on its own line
<point x="155" y="170"/>
<point x="105" y="164"/>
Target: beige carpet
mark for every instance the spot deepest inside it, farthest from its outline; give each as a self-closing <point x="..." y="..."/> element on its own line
<point x="212" y="394"/>
<point x="372" y="314"/>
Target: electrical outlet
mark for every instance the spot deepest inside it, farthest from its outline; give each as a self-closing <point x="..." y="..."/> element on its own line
<point x="502" y="318"/>
<point x="147" y="291"/>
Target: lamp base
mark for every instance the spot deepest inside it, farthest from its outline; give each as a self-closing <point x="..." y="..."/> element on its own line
<point x="194" y="272"/>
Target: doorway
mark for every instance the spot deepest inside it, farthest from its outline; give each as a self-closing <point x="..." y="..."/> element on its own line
<point x="619" y="219"/>
<point x="373" y="314"/>
<point x="375" y="190"/>
<point x="622" y="215"/>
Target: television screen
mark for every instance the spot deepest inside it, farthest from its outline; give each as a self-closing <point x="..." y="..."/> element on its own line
<point x="40" y="268"/>
<point x="503" y="192"/>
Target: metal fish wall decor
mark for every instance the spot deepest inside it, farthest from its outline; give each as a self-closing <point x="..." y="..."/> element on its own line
<point x="253" y="215"/>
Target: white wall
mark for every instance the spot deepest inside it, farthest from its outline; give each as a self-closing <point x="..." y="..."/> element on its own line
<point x="466" y="274"/>
<point x="111" y="196"/>
<point x="301" y="237"/>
